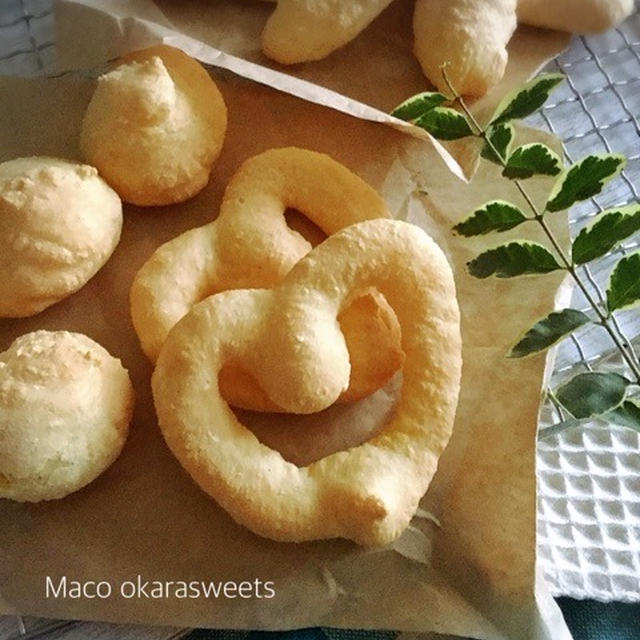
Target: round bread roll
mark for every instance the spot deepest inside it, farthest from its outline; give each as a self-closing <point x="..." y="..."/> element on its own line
<point x="65" y="408"/>
<point x="155" y="126"/>
<point x="61" y="223"/>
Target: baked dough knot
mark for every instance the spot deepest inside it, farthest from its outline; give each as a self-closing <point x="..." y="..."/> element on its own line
<point x="289" y="339"/>
<point x="250" y="245"/>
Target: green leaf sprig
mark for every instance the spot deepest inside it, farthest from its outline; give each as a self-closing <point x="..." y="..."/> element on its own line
<point x="610" y="396"/>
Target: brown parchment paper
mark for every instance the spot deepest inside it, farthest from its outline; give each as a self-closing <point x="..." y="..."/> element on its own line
<point x="370" y="75"/>
<point x="473" y="575"/>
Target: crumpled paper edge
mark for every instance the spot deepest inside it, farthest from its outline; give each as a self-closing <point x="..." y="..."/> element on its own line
<point x="139" y="29"/>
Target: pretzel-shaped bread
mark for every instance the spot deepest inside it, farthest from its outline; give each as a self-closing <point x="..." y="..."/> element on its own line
<point x="251" y="246"/>
<point x="290" y="340"/>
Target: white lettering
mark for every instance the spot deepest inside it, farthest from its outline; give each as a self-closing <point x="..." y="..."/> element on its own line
<point x="211" y="587"/>
<point x="75" y="589"/>
<point x="128" y="589"/>
<point x="157" y="589"/>
<point x="52" y="592"/>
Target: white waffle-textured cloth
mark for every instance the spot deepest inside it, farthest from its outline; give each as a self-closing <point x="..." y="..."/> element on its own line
<point x="589" y="513"/>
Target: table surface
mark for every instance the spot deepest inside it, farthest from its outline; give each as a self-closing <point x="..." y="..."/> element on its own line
<point x="596" y="111"/>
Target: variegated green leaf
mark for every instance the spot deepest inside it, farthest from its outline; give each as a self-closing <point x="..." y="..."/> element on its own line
<point x="524" y="101"/>
<point x="584" y="180"/>
<point x="445" y="123"/>
<point x="624" y="284"/>
<point x="531" y="160"/>
<point x="607" y="231"/>
<point x="592" y="394"/>
<point x="626" y="415"/>
<point x="513" y="259"/>
<point x="418" y="105"/>
<point x="497" y="215"/>
<point x="500" y="137"/>
<point x="548" y="331"/>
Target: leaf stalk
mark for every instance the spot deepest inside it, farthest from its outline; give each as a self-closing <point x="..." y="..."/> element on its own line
<point x="604" y="318"/>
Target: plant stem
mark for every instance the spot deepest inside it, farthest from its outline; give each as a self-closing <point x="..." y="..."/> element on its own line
<point x="603" y="319"/>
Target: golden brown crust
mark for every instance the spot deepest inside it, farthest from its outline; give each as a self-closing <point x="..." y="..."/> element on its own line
<point x="369" y="325"/>
<point x="288" y="339"/>
<point x="304" y="30"/>
<point x="65" y="408"/>
<point x="251" y="246"/>
<point x="155" y="126"/>
<point x="470" y="36"/>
